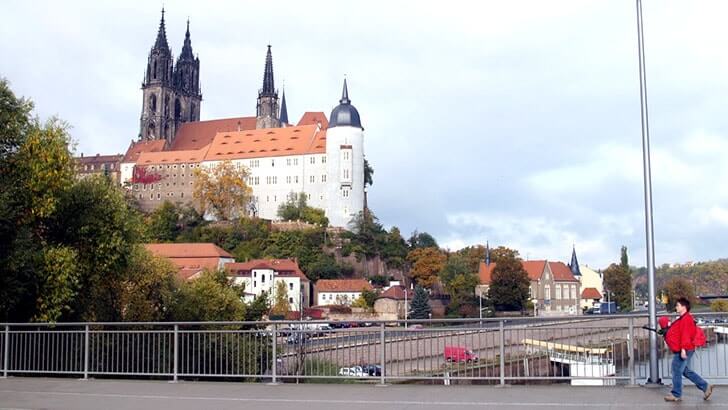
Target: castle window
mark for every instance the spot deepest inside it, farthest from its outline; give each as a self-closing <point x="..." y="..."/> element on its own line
<point x="272" y="163"/>
<point x="323" y="178"/>
<point x="312" y="179"/>
<point x="151" y="196"/>
<point x="312" y="160"/>
<point x="295" y="179"/>
<point x="323" y="159"/>
<point x="181" y="194"/>
<point x="182" y="166"/>
<point x="295" y="161"/>
<point x="153" y="103"/>
<point x="288" y="162"/>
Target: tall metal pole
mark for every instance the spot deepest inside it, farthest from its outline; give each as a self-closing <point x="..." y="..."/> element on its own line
<point x="649" y="225"/>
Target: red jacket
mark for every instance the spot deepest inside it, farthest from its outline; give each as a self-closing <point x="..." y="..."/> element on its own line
<point x="680" y="334"/>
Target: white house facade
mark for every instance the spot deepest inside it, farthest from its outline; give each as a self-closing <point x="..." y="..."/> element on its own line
<point x="263" y="275"/>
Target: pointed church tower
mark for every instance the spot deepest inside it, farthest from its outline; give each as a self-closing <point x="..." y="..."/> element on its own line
<point x="267" y="107"/>
<point x="487" y="253"/>
<point x="284" y="110"/>
<point x="187" y="84"/>
<point x="574" y="264"/>
<point x="158" y="90"/>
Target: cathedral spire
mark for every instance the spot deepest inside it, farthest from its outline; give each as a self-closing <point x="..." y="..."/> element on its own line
<point x="284" y="109"/>
<point x="161" y="42"/>
<point x="268" y="85"/>
<point x="186" y="53"/>
<point x="487" y="253"/>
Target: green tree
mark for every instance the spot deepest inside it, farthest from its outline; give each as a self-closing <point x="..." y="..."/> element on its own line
<point x="618" y="281"/>
<point x="503" y="253"/>
<point x="420" y="306"/>
<point x="459" y="280"/>
<point x="509" y="284"/>
<point x="421" y="240"/>
<point x="296" y="209"/>
<point x="676" y="288"/>
<point x="426" y="264"/>
<point x="368" y="173"/>
<point x="162" y="223"/>
<point x="259" y="307"/>
<point x="59" y="283"/>
<point x="394" y="249"/>
<point x="208" y="298"/>
<point x="369" y="296"/>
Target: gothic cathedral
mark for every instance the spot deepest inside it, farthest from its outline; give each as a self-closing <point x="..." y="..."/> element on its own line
<point x="172" y="94"/>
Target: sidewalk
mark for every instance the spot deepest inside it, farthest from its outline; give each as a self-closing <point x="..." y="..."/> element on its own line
<point x="37" y="393"/>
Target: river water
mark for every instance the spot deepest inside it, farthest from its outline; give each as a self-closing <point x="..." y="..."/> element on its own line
<point x="710" y="362"/>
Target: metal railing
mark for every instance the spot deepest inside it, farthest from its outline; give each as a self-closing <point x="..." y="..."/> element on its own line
<point x="581" y="350"/>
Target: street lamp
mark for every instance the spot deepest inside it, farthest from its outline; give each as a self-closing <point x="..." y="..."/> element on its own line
<point x="405" y="308"/>
<point x="647" y="174"/>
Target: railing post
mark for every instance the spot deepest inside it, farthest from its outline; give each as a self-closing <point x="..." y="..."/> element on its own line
<point x="382" y="356"/>
<point x="6" y="351"/>
<point x="630" y="347"/>
<point x="274" y="365"/>
<point x="176" y="353"/>
<point x="85" y="352"/>
<point x="501" y="331"/>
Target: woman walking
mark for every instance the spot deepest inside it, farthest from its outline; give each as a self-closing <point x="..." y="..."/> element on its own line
<point x="680" y="339"/>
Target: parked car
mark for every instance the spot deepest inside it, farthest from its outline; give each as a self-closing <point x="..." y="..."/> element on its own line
<point x="416" y="326"/>
<point x="355" y="371"/>
<point x="459" y="354"/>
<point x="372" y="369"/>
<point x="296" y="338"/>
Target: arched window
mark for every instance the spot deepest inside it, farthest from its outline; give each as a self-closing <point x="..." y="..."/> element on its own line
<point x="154" y="70"/>
<point x="153" y="103"/>
<point x="177" y="109"/>
<point x="192" y="111"/>
<point x="150" y="129"/>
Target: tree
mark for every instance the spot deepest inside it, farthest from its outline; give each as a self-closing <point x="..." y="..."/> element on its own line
<point x="222" y="190"/>
<point x="676" y="288"/>
<point x="148" y="292"/>
<point x="281" y="306"/>
<point x="394" y="250"/>
<point x="618" y="281"/>
<point x="162" y="223"/>
<point x="420" y="304"/>
<point x="208" y="298"/>
<point x="473" y="255"/>
<point x="459" y="280"/>
<point x="426" y="264"/>
<point x="509" y="284"/>
<point x="296" y="209"/>
<point x="719" y="306"/>
<point x="503" y="253"/>
<point x="421" y="240"/>
<point x="368" y="173"/>
<point x="369" y="296"/>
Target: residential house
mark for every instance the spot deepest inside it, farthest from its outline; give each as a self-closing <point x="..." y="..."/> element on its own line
<point x="553" y="288"/>
<point x="592" y="284"/>
<point x="263" y="275"/>
<point x="339" y="291"/>
<point x="191" y="258"/>
<point x="391" y="304"/>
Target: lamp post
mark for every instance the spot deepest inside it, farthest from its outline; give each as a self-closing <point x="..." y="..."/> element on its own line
<point x="647" y="177"/>
<point x="406" y="309"/>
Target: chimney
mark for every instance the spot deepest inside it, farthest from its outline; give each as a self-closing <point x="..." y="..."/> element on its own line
<point x="238" y="126"/>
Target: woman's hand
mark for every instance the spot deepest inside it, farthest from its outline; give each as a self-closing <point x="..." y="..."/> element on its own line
<point x="684" y="354"/>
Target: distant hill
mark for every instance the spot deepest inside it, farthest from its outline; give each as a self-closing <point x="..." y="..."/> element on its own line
<point x="709" y="278"/>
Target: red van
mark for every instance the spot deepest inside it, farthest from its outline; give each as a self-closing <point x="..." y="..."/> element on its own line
<point x="459" y="354"/>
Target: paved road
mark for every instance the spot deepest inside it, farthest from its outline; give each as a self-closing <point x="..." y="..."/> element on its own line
<point x="61" y="394"/>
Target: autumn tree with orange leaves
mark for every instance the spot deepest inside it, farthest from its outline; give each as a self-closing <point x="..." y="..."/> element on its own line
<point x="222" y="190"/>
<point x="426" y="264"/>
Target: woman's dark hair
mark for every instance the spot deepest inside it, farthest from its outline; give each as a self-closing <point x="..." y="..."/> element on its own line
<point x="684" y="302"/>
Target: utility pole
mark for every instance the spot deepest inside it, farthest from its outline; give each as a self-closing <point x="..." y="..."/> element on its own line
<point x="647" y="179"/>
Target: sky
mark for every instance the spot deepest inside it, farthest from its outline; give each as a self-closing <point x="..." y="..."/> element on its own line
<point x="514" y="122"/>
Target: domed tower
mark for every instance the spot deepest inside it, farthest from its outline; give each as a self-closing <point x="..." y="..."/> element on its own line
<point x="344" y="163"/>
<point x="158" y="90"/>
<point x="187" y="84"/>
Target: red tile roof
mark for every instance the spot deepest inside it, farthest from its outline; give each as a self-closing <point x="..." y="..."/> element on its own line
<point x="561" y="272"/>
<point x="172" y="157"/>
<point x="136" y="148"/>
<point x="282" y="267"/>
<point x="96" y="159"/>
<point x="195" y="135"/>
<point x="395" y="292"/>
<point x="591" y="293"/>
<point x="268" y="142"/>
<point x="187" y="250"/>
<point x="313" y="118"/>
<point x="342" y="285"/>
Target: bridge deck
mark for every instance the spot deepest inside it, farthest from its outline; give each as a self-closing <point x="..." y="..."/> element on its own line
<point x="34" y="393"/>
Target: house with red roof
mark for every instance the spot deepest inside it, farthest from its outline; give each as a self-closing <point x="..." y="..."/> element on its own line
<point x="553" y="290"/>
<point x="391" y="304"/>
<point x="191" y="259"/>
<point x="339" y="291"/>
<point x="263" y="275"/>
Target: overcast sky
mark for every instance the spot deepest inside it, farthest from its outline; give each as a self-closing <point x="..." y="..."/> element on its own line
<point x="515" y="122"/>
